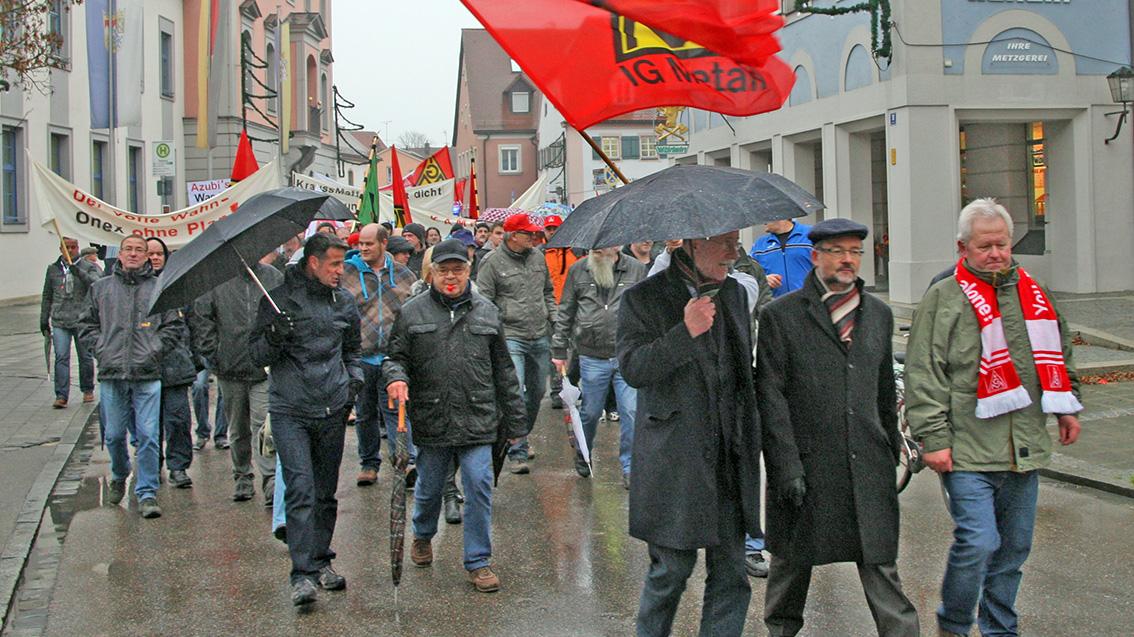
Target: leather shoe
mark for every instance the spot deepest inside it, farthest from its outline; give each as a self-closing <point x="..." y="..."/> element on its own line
<point x="88" y="397"/>
<point x="367" y="477"/>
<point x="329" y="580"/>
<point x="280" y="533"/>
<point x="518" y="466"/>
<point x="60" y="403"/>
<point x="756" y="565"/>
<point x="115" y="491"/>
<point x="180" y="479"/>
<point x="582" y="468"/>
<point x="149" y="508"/>
<point x="303" y="592"/>
<point x="484" y="580"/>
<point x="411" y="477"/>
<point x="200" y="444"/>
<point x="421" y="552"/>
<point x="221" y="444"/>
<point x="452" y="510"/>
<point x="244" y="490"/>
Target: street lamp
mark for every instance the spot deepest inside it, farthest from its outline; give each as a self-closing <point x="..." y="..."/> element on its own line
<point x="1122" y="91"/>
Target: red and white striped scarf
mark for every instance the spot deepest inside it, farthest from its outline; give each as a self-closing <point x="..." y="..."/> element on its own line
<point x="998" y="388"/>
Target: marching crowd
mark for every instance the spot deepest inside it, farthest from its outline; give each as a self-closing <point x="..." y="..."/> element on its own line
<point x="712" y="359"/>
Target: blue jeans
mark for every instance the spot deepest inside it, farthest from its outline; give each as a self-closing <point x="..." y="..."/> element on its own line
<point x="133" y="405"/>
<point x="61" y="338"/>
<point x="433" y="465"/>
<point x="371" y="409"/>
<point x="596" y="376"/>
<point x="201" y="409"/>
<point x="310" y="451"/>
<point x="532" y="359"/>
<point x="279" y="517"/>
<point x="995" y="514"/>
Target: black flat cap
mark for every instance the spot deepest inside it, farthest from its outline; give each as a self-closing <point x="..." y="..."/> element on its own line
<point x="450" y="250"/>
<point x="397" y="245"/>
<point x="831" y="228"/>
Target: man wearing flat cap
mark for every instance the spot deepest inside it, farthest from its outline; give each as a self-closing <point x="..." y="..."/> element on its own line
<point x="831" y="462"/>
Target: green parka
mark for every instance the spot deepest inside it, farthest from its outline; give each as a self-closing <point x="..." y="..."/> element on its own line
<point x="942" y="363"/>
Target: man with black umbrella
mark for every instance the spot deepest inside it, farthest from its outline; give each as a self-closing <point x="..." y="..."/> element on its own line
<point x="449" y="345"/>
<point x="831" y="460"/>
<point x="312" y="346"/>
<point x="684" y="341"/>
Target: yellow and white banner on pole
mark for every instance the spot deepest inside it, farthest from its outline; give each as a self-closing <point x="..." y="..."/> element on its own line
<point x="81" y="215"/>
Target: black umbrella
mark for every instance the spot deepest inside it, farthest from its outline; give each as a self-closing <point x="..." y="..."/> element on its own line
<point x="226" y="248"/>
<point x="334" y="210"/>
<point x="683" y="202"/>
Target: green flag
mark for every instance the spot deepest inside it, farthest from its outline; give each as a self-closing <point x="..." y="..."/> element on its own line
<point x="368" y="205"/>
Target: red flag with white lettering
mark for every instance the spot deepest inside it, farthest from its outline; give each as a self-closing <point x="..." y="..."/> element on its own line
<point x="604" y="63"/>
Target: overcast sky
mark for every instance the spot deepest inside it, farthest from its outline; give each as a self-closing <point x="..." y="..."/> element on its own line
<point x="397" y="61"/>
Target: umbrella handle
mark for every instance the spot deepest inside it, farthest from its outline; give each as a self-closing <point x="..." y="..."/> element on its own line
<point x="401" y="417"/>
<point x="259" y="284"/>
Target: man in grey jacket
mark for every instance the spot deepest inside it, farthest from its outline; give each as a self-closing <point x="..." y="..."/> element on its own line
<point x="588" y="316"/>
<point x="515" y="278"/>
<point x="64" y="299"/>
<point x="222" y="320"/>
<point x="129" y="343"/>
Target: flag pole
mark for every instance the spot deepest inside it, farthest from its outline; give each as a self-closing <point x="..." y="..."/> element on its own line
<point x="595" y="147"/>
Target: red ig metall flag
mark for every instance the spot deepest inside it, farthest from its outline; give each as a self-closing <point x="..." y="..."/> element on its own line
<point x="615" y="56"/>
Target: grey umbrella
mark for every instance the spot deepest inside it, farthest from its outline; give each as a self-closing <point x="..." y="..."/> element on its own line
<point x="226" y="248"/>
<point x="334" y="210"/>
<point x="683" y="202"/>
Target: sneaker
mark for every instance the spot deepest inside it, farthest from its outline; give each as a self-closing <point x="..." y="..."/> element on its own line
<point x="612" y="416"/>
<point x="115" y="491"/>
<point x="626" y="480"/>
<point x="367" y="477"/>
<point x="303" y="592"/>
<point x="280" y="533"/>
<point x="329" y="580"/>
<point x="200" y="444"/>
<point x="582" y="468"/>
<point x="178" y="478"/>
<point x="244" y="490"/>
<point x="60" y="403"/>
<point x="518" y="466"/>
<point x="88" y="397"/>
<point x="756" y="565"/>
<point x="149" y="508"/>
<point x="556" y="402"/>
<point x="421" y="552"/>
<point x="484" y="580"/>
<point x="221" y="444"/>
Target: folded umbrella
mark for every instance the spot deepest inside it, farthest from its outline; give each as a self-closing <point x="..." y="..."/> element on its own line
<point x="226" y="248"/>
<point x="570" y="395"/>
<point x="683" y="202"/>
<point x="398" y="502"/>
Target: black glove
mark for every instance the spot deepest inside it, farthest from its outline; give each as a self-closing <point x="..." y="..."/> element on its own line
<point x="281" y="330"/>
<point x="354" y="388"/>
<point x="792" y="492"/>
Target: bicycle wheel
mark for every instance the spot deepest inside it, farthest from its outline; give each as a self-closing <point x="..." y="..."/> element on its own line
<point x="905" y="472"/>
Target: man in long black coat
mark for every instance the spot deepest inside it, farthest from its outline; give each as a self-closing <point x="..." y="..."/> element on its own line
<point x="684" y="342"/>
<point x="826" y="393"/>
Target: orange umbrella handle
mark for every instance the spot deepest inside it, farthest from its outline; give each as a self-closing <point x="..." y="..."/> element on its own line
<point x="401" y="417"/>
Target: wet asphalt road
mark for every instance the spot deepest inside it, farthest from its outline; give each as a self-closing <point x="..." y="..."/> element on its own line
<point x="567" y="565"/>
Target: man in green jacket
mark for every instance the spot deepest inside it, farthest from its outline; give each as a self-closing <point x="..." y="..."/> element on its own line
<point x="989" y="358"/>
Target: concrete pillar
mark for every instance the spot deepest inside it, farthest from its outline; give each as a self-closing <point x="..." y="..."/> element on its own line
<point x="923" y="190"/>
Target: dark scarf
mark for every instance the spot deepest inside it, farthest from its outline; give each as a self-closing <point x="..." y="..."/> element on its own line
<point x="451" y="303"/>
<point x="689" y="273"/>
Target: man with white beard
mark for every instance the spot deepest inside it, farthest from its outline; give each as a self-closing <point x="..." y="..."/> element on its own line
<point x="591" y="298"/>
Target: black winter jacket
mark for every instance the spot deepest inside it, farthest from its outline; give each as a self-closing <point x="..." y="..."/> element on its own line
<point x="463" y="387"/>
<point x="65" y="291"/>
<point x="127" y="341"/>
<point x="588" y="314"/>
<point x="222" y="321"/>
<point x="310" y="373"/>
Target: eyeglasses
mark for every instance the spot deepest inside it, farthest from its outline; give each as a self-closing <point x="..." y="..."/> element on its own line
<point x="840" y="252"/>
<point x="443" y="271"/>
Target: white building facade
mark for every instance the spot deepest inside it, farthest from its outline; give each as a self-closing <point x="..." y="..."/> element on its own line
<point x="1007" y="99"/>
<point x="53" y="127"/>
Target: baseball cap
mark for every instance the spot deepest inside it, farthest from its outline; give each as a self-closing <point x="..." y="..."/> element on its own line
<point x="552" y="221"/>
<point x="396" y="245"/>
<point x="520" y="222"/>
<point x="450" y="250"/>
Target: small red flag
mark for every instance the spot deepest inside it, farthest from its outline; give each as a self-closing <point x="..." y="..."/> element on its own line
<point x="474" y="207"/>
<point x="245" y="163"/>
<point x="657" y="53"/>
<point x="401" y="200"/>
<point x="438" y="167"/>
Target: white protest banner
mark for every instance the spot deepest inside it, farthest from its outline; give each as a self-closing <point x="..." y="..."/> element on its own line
<point x="83" y="216"/>
<point x="201" y="190"/>
<point x="349" y="195"/>
<point x="434" y="201"/>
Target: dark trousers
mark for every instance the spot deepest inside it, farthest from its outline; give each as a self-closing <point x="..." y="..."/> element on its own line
<point x="310" y="451"/>
<point x="176" y="422"/>
<point x="727" y="592"/>
<point x="786" y="596"/>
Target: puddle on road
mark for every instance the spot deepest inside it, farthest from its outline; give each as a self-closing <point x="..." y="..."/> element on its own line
<point x="73" y="492"/>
